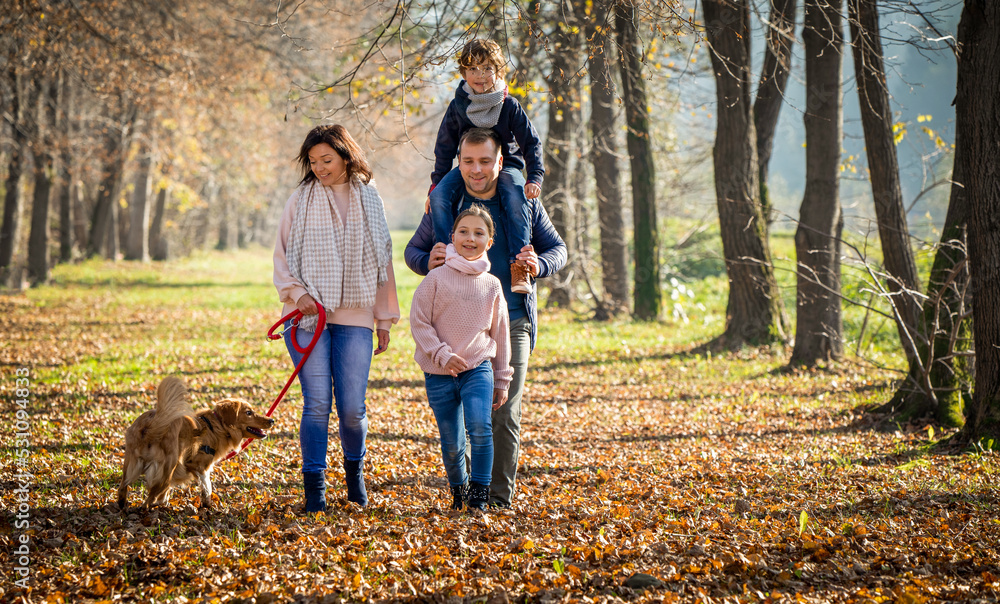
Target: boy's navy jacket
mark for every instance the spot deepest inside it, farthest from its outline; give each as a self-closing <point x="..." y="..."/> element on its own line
<point x="549" y="246"/>
<point x="521" y="146"/>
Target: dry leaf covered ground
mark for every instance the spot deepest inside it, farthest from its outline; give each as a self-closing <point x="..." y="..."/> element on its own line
<point x="720" y="477"/>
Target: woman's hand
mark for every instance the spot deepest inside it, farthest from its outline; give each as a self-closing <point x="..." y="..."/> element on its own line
<point x="307" y="305"/>
<point x="499" y="398"/>
<point x="438" y="253"/>
<point x="383" y="340"/>
<point x="456" y="365"/>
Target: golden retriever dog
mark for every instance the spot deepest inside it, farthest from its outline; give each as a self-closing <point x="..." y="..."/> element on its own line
<point x="173" y="445"/>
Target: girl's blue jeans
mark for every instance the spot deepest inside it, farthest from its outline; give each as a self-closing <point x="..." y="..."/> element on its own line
<point x="337" y="370"/>
<point x="464" y="404"/>
<point x="448" y="193"/>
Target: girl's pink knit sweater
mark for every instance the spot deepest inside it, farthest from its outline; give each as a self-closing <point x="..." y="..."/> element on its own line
<point x="459" y="308"/>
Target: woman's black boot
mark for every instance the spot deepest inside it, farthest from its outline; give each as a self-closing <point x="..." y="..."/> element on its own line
<point x="354" y="476"/>
<point x="315" y="485"/>
<point x="479" y="494"/>
<point x="459" y="495"/>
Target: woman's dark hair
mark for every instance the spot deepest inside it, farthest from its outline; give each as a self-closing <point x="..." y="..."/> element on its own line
<point x="478" y="211"/>
<point x="340" y="139"/>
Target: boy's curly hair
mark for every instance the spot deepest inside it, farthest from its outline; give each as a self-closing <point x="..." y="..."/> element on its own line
<point x="478" y="51"/>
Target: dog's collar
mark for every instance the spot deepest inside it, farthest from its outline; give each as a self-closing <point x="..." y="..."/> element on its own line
<point x="207" y="423"/>
<point x="206" y="449"/>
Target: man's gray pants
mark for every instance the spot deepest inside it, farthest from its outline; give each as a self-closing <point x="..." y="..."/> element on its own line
<point x="507" y="419"/>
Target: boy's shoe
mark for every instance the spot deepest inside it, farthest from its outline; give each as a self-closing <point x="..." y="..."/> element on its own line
<point x="520" y="280"/>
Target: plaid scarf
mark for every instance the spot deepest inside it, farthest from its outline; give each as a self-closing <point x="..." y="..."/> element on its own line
<point x="484" y="109"/>
<point x="340" y="265"/>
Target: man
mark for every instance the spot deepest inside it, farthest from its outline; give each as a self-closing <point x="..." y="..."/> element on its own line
<point x="480" y="162"/>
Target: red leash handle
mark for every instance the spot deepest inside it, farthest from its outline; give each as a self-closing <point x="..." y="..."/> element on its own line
<point x="294" y="317"/>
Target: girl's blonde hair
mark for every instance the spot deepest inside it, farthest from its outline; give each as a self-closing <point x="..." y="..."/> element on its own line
<point x="477" y="51"/>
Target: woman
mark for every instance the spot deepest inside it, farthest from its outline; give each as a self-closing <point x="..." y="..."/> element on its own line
<point x="334" y="249"/>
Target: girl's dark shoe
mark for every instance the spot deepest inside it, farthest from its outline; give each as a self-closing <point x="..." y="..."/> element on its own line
<point x="479" y="494"/>
<point x="315" y="485"/>
<point x="459" y="495"/>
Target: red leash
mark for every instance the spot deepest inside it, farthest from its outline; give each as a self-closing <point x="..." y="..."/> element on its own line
<point x="294" y="316"/>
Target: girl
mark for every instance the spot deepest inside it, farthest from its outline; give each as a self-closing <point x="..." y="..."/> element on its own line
<point x="459" y="322"/>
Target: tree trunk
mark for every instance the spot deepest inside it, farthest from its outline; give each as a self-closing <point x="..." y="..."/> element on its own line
<point x="977" y="114"/>
<point x="559" y="149"/>
<point x="81" y="214"/>
<point x="43" y="151"/>
<point x="604" y="156"/>
<point x="228" y="223"/>
<point x="771" y="89"/>
<point x="107" y="196"/>
<point x="157" y="240"/>
<point x="9" y="231"/>
<point x="819" y="326"/>
<point x="112" y="245"/>
<point x="105" y="223"/>
<point x="876" y="120"/>
<point x="11" y="205"/>
<point x="38" y="237"/>
<point x="940" y="378"/>
<point x="137" y="247"/>
<point x="754" y="313"/>
<point x="647" y="292"/>
<point x="65" y="124"/>
<point x="204" y="218"/>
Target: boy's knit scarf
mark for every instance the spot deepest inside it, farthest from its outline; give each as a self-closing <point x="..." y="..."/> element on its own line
<point x="458" y="262"/>
<point x="484" y="109"/>
<point x="341" y="266"/>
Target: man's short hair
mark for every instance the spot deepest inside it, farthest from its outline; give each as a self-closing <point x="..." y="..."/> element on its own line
<point x="478" y="136"/>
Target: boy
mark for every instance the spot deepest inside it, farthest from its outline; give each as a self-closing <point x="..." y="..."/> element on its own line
<point x="481" y="100"/>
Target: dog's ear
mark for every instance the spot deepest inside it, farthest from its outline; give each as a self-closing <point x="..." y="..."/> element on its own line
<point x="196" y="427"/>
<point x="229" y="411"/>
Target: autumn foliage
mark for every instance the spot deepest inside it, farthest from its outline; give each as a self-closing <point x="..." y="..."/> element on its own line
<point x="647" y="472"/>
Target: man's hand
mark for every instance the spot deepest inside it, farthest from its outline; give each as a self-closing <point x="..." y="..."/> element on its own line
<point x="383" y="341"/>
<point x="438" y="253"/>
<point x="306" y="305"/>
<point x="532" y="191"/>
<point x="456" y="365"/>
<point x="529" y="258"/>
<point x="499" y="398"/>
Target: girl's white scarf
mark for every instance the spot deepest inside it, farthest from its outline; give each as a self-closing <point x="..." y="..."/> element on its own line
<point x="458" y="262"/>
<point x="340" y="265"/>
<point x="484" y="109"/>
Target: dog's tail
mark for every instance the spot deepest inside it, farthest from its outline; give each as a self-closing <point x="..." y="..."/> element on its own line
<point x="171" y="405"/>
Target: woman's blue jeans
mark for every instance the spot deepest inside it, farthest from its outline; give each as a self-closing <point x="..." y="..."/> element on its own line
<point x="461" y="404"/>
<point x="337" y="370"/>
<point x="448" y="193"/>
